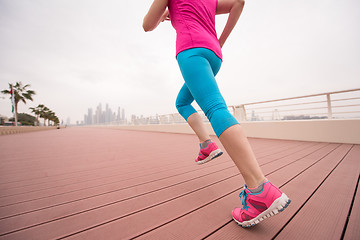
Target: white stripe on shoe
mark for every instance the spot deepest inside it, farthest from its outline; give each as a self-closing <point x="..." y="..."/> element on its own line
<point x="214" y="154"/>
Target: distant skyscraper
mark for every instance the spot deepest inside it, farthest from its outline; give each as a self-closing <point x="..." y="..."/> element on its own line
<point x="123" y="114"/>
<point x="107" y="113"/>
<point x="89" y="120"/>
<point x="100" y="116"/>
<point x="118" y="118"/>
<point x="98" y="113"/>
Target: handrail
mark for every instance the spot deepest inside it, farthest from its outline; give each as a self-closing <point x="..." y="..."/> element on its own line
<point x="305" y="96"/>
<point x="240" y="111"/>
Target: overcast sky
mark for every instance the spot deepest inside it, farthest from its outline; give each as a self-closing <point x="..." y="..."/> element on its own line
<point x="78" y="53"/>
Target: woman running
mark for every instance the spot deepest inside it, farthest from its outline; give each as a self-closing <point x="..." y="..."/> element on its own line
<point x="198" y="53"/>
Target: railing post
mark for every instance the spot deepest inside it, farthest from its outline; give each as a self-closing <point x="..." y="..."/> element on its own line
<point x="329" y="106"/>
<point x="171" y="118"/>
<point x="240" y="113"/>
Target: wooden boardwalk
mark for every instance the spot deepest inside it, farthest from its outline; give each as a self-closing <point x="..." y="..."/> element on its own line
<point x="92" y="183"/>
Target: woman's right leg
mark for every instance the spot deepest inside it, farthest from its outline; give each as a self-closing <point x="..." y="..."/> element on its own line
<point x="261" y="199"/>
<point x="199" y="77"/>
<point x="237" y="146"/>
<point x="183" y="105"/>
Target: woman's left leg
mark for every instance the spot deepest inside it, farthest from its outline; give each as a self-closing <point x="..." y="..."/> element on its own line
<point x="197" y="67"/>
<point x="261" y="199"/>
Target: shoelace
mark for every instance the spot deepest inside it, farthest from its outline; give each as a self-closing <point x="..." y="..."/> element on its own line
<point x="243" y="194"/>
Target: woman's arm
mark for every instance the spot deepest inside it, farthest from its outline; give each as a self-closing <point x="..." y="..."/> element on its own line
<point x="156" y="14"/>
<point x="234" y="8"/>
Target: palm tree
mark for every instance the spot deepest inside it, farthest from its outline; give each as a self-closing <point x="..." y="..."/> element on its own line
<point x="56" y="120"/>
<point x="37" y="111"/>
<point x="44" y="113"/>
<point x="53" y="118"/>
<point x="21" y="93"/>
<point x="50" y="116"/>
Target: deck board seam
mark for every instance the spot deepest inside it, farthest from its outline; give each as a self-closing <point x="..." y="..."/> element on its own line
<point x="350" y="209"/>
<point x="100" y="185"/>
<point x="115" y="175"/>
<point x="187" y="213"/>
<point x="136" y="185"/>
<point x="122" y="200"/>
<point x="96" y="195"/>
<point x="165" y="201"/>
<point x="74" y="172"/>
<point x="298" y="159"/>
<point x="285" y="149"/>
<point x="280" y="185"/>
<point x="154" y="205"/>
<point x="118" y="165"/>
<point x="157" y="204"/>
<point x="53" y="195"/>
<point x="231" y="193"/>
<point x="322" y="182"/>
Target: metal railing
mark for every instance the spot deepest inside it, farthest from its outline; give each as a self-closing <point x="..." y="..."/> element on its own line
<point x="331" y="105"/>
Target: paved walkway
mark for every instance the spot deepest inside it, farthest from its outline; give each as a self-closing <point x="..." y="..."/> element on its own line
<point x="92" y="183"/>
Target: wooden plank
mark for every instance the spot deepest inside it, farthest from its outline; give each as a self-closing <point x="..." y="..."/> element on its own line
<point x="298" y="150"/>
<point x="150" y="203"/>
<point x="102" y="175"/>
<point x="156" y="164"/>
<point x="353" y="229"/>
<point x="54" y="196"/>
<point x="325" y="214"/>
<point x="102" y="143"/>
<point x="267" y="148"/>
<point x="219" y="213"/>
<point x="110" y="147"/>
<point x="181" y="183"/>
<point x="83" y="165"/>
<point x="47" y="181"/>
<point x="19" y="222"/>
<point x="61" y="199"/>
<point x="130" y="207"/>
<point x="104" y="189"/>
<point x="102" y="182"/>
<point x="299" y="189"/>
<point x="35" y="218"/>
<point x="69" y="158"/>
<point x="165" y="213"/>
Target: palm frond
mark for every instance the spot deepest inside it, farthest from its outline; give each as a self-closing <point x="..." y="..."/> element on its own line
<point x="5" y="91"/>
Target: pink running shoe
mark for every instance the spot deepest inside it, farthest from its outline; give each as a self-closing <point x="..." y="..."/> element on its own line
<point x="259" y="206"/>
<point x="210" y="152"/>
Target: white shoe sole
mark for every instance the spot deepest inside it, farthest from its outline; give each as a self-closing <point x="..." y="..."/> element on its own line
<point x="277" y="206"/>
<point x="214" y="154"/>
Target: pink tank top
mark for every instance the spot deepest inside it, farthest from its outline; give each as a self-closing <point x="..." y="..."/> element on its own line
<point x="194" y="22"/>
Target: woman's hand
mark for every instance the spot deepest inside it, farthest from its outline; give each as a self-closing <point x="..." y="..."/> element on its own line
<point x="222" y="42"/>
<point x="234" y="8"/>
<point x="156" y="14"/>
<point x="165" y="16"/>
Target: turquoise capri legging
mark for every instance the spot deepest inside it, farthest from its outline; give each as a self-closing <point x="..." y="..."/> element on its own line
<point x="199" y="67"/>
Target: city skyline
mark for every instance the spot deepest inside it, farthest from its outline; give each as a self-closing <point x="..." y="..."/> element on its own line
<point x="105" y="116"/>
